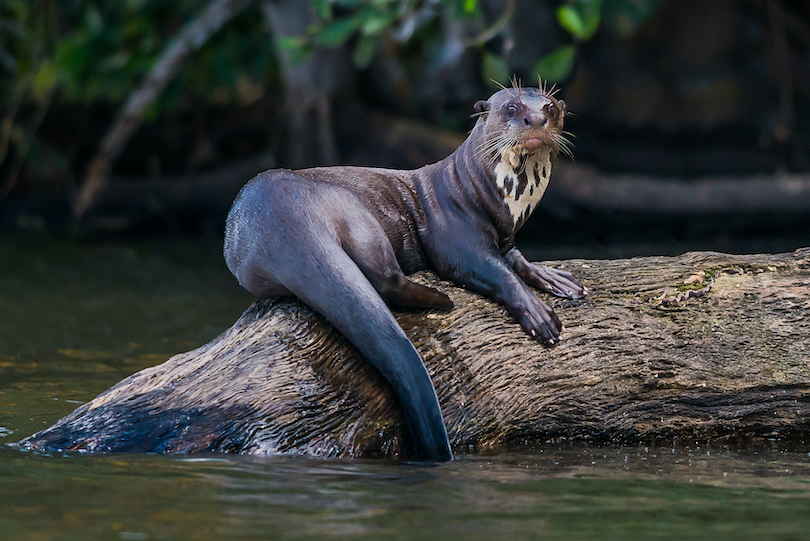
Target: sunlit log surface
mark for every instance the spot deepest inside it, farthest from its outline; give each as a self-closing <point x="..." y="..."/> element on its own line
<point x="635" y="366"/>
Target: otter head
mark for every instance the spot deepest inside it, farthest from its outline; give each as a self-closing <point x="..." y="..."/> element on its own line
<point x="523" y="121"/>
<point x="521" y="135"/>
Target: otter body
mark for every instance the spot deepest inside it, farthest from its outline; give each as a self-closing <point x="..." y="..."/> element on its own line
<point x="343" y="239"/>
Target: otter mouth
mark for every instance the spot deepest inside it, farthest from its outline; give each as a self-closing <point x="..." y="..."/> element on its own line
<point x="534" y="142"/>
<point x="515" y="147"/>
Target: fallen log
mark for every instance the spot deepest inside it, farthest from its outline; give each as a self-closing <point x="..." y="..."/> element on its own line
<point x="642" y="360"/>
<point x="578" y="186"/>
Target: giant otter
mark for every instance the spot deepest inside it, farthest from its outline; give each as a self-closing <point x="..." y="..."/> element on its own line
<point x="343" y="239"/>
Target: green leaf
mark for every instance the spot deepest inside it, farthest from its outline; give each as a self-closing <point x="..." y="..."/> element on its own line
<point x="580" y="19"/>
<point x="74" y="55"/>
<point x="364" y="51"/>
<point x="297" y="48"/>
<point x="557" y="65"/>
<point x="44" y="80"/>
<point x="324" y="9"/>
<point x="375" y="22"/>
<point x="469" y="6"/>
<point x="569" y="19"/>
<point x="494" y="69"/>
<point x="591" y="25"/>
<point x="339" y="31"/>
<point x="292" y="42"/>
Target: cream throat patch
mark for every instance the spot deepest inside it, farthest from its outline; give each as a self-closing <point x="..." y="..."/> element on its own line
<point x="522" y="180"/>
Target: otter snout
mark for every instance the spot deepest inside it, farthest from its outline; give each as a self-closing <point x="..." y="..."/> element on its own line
<point x="537" y="120"/>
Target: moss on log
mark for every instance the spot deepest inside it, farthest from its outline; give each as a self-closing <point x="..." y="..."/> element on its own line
<point x="642" y="360"/>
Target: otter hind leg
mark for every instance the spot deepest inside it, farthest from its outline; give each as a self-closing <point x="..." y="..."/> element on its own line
<point x="371" y="250"/>
<point x="408" y="294"/>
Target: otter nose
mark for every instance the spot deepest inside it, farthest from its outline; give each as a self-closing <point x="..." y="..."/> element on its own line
<point x="536" y="120"/>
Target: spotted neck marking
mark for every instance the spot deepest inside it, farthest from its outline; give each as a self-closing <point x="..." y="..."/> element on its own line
<point x="522" y="180"/>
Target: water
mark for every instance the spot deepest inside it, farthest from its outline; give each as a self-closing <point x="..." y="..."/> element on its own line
<point x="76" y="319"/>
<point x="538" y="494"/>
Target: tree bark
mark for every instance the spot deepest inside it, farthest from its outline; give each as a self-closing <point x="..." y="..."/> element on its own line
<point x="640" y="362"/>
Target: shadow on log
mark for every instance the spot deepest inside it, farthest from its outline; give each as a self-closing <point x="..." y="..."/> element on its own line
<point x="636" y="365"/>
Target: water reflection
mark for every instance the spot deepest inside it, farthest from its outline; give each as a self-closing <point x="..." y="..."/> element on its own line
<point x="560" y="492"/>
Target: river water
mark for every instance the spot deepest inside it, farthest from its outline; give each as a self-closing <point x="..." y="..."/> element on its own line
<point x="76" y="318"/>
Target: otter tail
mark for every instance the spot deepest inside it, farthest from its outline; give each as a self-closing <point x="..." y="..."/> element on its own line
<point x="336" y="287"/>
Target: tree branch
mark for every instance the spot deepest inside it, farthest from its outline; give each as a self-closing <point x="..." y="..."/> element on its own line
<point x="189" y="39"/>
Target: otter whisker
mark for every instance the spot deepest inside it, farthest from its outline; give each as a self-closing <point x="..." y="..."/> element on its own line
<point x="563" y="145"/>
<point x="517" y="87"/>
<point x="495" y="146"/>
<point x="567" y="151"/>
<point x="543" y="85"/>
<point x="492" y="151"/>
<point x="503" y="141"/>
<point x="499" y="140"/>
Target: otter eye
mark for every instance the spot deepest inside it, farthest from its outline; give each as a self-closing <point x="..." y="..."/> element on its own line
<point x="512" y="109"/>
<point x="551" y="109"/>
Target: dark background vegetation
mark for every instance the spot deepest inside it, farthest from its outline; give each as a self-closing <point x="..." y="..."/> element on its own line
<point x="702" y="107"/>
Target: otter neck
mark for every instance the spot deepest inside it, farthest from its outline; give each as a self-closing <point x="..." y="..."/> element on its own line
<point x="522" y="180"/>
<point x="505" y="187"/>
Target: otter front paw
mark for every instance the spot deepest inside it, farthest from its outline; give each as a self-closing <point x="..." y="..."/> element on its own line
<point x="539" y="320"/>
<point x="555" y="281"/>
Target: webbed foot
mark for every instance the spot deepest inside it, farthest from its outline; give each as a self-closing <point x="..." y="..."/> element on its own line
<point x="540" y="321"/>
<point x="555" y="281"/>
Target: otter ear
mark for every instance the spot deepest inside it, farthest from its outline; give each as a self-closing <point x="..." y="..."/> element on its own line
<point x="562" y="107"/>
<point x="481" y="106"/>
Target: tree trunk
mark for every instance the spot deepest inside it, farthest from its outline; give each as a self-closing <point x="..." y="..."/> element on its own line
<point x="640" y="362"/>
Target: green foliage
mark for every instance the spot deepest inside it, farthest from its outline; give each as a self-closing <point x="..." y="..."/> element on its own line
<point x="343" y="20"/>
<point x="361" y="22"/>
<point x="364" y="51"/>
<point x="581" y="19"/>
<point x="83" y="51"/>
<point x="557" y="65"/>
<point x="92" y="50"/>
<point x="495" y="69"/>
